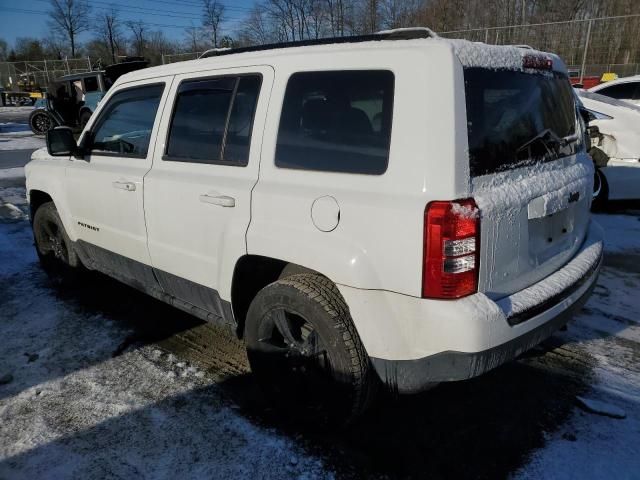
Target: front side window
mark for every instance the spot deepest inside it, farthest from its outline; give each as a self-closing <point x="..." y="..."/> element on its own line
<point x="337" y="121"/>
<point x="213" y="119"/>
<point x="126" y="123"/>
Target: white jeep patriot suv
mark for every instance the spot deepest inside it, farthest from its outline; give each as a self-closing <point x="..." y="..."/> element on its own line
<point x="395" y="209"/>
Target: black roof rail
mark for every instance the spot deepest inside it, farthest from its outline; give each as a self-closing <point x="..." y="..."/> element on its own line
<point x="397" y="34"/>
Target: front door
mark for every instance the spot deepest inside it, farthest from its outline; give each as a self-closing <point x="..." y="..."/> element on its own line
<point x="198" y="194"/>
<point x="105" y="189"/>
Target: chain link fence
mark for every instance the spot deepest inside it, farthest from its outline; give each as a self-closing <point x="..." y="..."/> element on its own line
<point x="37" y="74"/>
<point x="590" y="46"/>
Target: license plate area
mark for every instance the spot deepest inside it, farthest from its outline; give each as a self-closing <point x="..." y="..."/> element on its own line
<point x="551" y="235"/>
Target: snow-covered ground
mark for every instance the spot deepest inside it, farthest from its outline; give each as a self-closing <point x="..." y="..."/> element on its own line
<point x="82" y="395"/>
<point x="16" y="109"/>
<point x="15" y="133"/>
<point x="15" y="172"/>
<point x="596" y="445"/>
<point x="75" y="404"/>
<point x="18" y="136"/>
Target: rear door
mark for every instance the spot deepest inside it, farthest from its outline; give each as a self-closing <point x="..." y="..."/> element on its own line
<point x="530" y="175"/>
<point x="198" y="193"/>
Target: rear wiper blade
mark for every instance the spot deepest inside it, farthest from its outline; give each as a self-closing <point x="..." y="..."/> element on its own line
<point x="569" y="139"/>
<point x="541" y="137"/>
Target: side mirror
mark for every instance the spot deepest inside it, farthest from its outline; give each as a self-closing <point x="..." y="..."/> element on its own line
<point x="86" y="142"/>
<point x="60" y="142"/>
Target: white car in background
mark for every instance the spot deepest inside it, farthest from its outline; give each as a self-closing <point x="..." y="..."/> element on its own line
<point x="615" y="145"/>
<point x="627" y="89"/>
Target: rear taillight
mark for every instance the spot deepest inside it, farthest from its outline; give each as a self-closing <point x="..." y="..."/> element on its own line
<point x="451" y="249"/>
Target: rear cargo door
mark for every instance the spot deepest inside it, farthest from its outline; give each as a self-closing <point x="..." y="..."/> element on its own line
<point x="530" y="175"/>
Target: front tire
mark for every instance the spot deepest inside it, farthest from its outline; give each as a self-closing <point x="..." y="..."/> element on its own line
<point x="304" y="349"/>
<point x="53" y="245"/>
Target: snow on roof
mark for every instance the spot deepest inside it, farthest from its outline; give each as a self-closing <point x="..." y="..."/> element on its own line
<point x="494" y="57"/>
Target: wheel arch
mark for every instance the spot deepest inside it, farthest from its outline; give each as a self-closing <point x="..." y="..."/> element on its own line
<point x="251" y="274"/>
<point x="37" y="198"/>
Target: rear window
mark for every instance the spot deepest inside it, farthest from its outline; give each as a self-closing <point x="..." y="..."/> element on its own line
<point x="516" y="118"/>
<point x="337" y="122"/>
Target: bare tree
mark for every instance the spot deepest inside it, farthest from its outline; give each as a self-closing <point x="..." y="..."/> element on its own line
<point x="69" y="18"/>
<point x="212" y="16"/>
<point x="372" y="16"/>
<point x="109" y="30"/>
<point x="336" y="15"/>
<point x="293" y="19"/>
<point x="4" y="50"/>
<point x="397" y="13"/>
<point x="282" y="13"/>
<point x="139" y="37"/>
<point x="257" y="28"/>
<point x="156" y="46"/>
<point x="290" y="20"/>
<point x="193" y="39"/>
<point x="28" y="48"/>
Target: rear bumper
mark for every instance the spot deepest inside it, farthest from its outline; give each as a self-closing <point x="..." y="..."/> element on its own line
<point x="476" y="334"/>
<point x="408" y="376"/>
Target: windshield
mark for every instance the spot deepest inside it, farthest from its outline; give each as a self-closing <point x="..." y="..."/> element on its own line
<point x="517" y="118"/>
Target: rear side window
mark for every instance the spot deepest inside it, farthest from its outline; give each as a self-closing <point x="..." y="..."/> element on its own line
<point x="213" y="119"/>
<point x="91" y="84"/>
<point x="124" y="128"/>
<point x="337" y="122"/>
<point x="621" y="91"/>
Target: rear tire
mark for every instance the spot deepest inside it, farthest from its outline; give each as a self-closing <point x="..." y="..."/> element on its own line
<point x="304" y="349"/>
<point x="55" y="250"/>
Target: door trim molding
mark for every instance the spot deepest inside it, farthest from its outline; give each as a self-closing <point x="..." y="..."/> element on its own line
<point x="200" y="301"/>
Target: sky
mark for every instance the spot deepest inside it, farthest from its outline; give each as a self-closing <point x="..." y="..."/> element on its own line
<point x="28" y="18"/>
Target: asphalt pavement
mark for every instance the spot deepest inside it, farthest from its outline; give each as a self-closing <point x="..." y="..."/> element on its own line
<point x="15" y="158"/>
